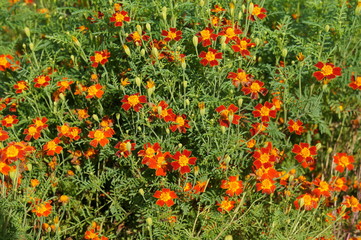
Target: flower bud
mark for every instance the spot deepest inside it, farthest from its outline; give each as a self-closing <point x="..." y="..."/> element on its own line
<point x="318" y="146"/>
<point x="231" y="8"/>
<point x="202" y="108"/>
<point x="183" y="65"/>
<point x="147" y="26"/>
<point x="159" y="110"/>
<point x="187" y="102"/>
<point x="155" y="53"/>
<point x="327" y="28"/>
<point x="138" y="81"/>
<point x="284" y="52"/>
<point x="240" y="15"/>
<point x="62" y="96"/>
<point x="167" y="131"/>
<point x="228" y="237"/>
<point x="195" y="41"/>
<point x="95" y="117"/>
<point x="185" y="83"/>
<point x="142" y="52"/>
<point x="250" y="8"/>
<point x="127" y="50"/>
<point x="141" y="192"/>
<point x="117" y="116"/>
<point x="149" y="221"/>
<point x="31" y="46"/>
<point x="29" y="166"/>
<point x="139" y="29"/>
<point x="27" y="31"/>
<point x="223" y="129"/>
<point x="201" y="3"/>
<point x="164" y="13"/>
<point x="76" y="41"/>
<point x="230" y="117"/>
<point x="128" y="146"/>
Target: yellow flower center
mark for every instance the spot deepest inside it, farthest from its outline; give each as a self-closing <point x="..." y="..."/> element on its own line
<point x="255" y="87"/>
<point x="243" y="45"/>
<point x="323" y="186"/>
<point x="22" y="85"/>
<point x="327" y="70"/>
<point x="160" y="162"/>
<point x="179" y="121"/>
<point x="264" y="157"/>
<point x="358" y="81"/>
<point x="205" y="34"/>
<point x="266" y="184"/>
<point x="210" y="56"/>
<point x="256" y="11"/>
<point x="12" y="151"/>
<point x="295" y="127"/>
<point x="98" y="135"/>
<point x="92" y="90"/>
<point x="172" y="35"/>
<point x="183" y="160"/>
<point x="52" y="145"/>
<point x="149" y="152"/>
<point x="224" y="114"/>
<point x="165" y="196"/>
<point x="265" y="111"/>
<point x="242" y="76"/>
<point x="344" y="161"/>
<point x="41" y="80"/>
<point x="119" y="17"/>
<point x="307" y="199"/>
<point x="9" y="120"/>
<point x="353" y="201"/>
<point x="133" y="100"/>
<point x="41" y="208"/>
<point x="98" y="57"/>
<point x="226" y="205"/>
<point x="136" y="36"/>
<point x="32" y="130"/>
<point x="230" y="32"/>
<point x="233" y="186"/>
<point x="305" y="152"/>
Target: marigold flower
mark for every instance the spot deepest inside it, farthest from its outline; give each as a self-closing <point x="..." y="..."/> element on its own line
<point x="258" y="12"/>
<point x="165" y="197"/>
<point x="52" y="147"/>
<point x="4" y="135"/>
<point x="225" y="205"/>
<point x="9" y="121"/>
<point x="149" y="152"/>
<point x="7" y="62"/>
<point x="254" y="88"/>
<point x="266" y="184"/>
<point x="308" y="201"/>
<point x="41" y="81"/>
<point x="119" y="17"/>
<point x="339" y="184"/>
<point x="15" y="151"/>
<point x="231" y="33"/>
<point x="258" y="128"/>
<point x="42" y="209"/>
<point x="100" y="136"/>
<point x="355" y="82"/>
<point x="206" y="36"/>
<point x="265" y="111"/>
<point x="95" y="91"/>
<point x="82" y="113"/>
<point x="343" y="161"/>
<point x="125" y="148"/>
<point x="162" y="111"/>
<point x="352" y="202"/>
<point x="133" y="101"/>
<point x="295" y="126"/>
<point x="181" y="124"/>
<point x="137" y="38"/>
<point x="328" y="71"/>
<point x="40" y="122"/>
<point x="73" y="133"/>
<point x="228" y="115"/>
<point x="21" y="86"/>
<point x="210" y="57"/>
<point x="304" y="153"/>
<point x="323" y="189"/>
<point x="64" y="85"/>
<point x="240" y="78"/>
<point x="264" y="157"/>
<point x="160" y="163"/>
<point x="32" y="132"/>
<point x="172" y="34"/>
<point x="64" y="199"/>
<point x="242" y="46"/>
<point x="217" y="9"/>
<point x="4" y="168"/>
<point x="233" y="186"/>
<point x="182" y="161"/>
<point x="100" y="57"/>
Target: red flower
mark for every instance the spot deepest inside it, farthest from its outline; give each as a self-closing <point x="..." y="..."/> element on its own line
<point x="9" y="121"/>
<point x="352" y="202"/>
<point x="242" y="46"/>
<point x="149" y="152"/>
<point x="217" y="9"/>
<point x="3" y="135"/>
<point x="41" y="81"/>
<point x="119" y="17"/>
<point x="6" y="62"/>
<point x="233" y="186"/>
<point x="240" y="78"/>
<point x="165" y="196"/>
<point x="95" y="91"/>
<point x="183" y="160"/>
<point x="328" y="71"/>
<point x="305" y="154"/>
<point x="257" y="12"/>
<point x="162" y="111"/>
<point x="160" y="163"/>
<point x="137" y="38"/>
<point x="323" y="188"/>
<point x="40" y="122"/>
<point x="227" y="115"/>
<point x="258" y="128"/>
<point x="125" y="148"/>
<point x="230" y="33"/>
<point x="343" y="161"/>
<point x="265" y="111"/>
<point x="206" y="36"/>
<point x="64" y="85"/>
<point x="100" y="137"/>
<point x="295" y="126"/>
<point x="52" y="147"/>
<point x="21" y="86"/>
<point x="210" y="57"/>
<point x="253" y="88"/>
<point x="181" y="124"/>
<point x="225" y="205"/>
<point x="266" y="184"/>
<point x="32" y="132"/>
<point x="172" y="34"/>
<point x="355" y="82"/>
<point x="100" y="57"/>
<point x="133" y="101"/>
<point x="265" y="157"/>
<point x="307" y="201"/>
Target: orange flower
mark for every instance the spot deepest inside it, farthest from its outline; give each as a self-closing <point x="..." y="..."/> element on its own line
<point x="343" y="161"/>
<point x="34" y="182"/>
<point x="133" y="101"/>
<point x="3" y="135"/>
<point x="9" y="121"/>
<point x="149" y="152"/>
<point x="355" y="82"/>
<point x="42" y="209"/>
<point x="95" y="91"/>
<point x="328" y="71"/>
<point x="240" y="78"/>
<point x="226" y="205"/>
<point x="324" y="189"/>
<point x="233" y="186"/>
<point x="206" y="36"/>
<point x="21" y="86"/>
<point x="64" y="199"/>
<point x="264" y="157"/>
<point x="119" y="17"/>
<point x="52" y="147"/>
<point x="73" y="133"/>
<point x="253" y="88"/>
<point x="41" y="81"/>
<point x="265" y="111"/>
<point x="40" y="122"/>
<point x="162" y="111"/>
<point x="32" y="132"/>
<point x="181" y="124"/>
<point x="266" y="184"/>
<point x="172" y="34"/>
<point x="64" y="85"/>
<point x="165" y="196"/>
<point x="339" y="184"/>
<point x="4" y="168"/>
<point x="257" y="12"/>
<point x="307" y="201"/>
<point x="242" y="46"/>
<point x="295" y="126"/>
<point x="182" y="161"/>
<point x="258" y="128"/>
<point x="82" y="113"/>
<point x="228" y="115"/>
<point x="63" y="130"/>
<point x="6" y="62"/>
<point x="230" y="33"/>
<point x="210" y="57"/>
<point x="160" y="163"/>
<point x="305" y="154"/>
<point x="125" y="148"/>
<point x="137" y="38"/>
<point x="100" y="137"/>
<point x="351" y="202"/>
<point x="15" y="151"/>
<point x="100" y="57"/>
<point x="217" y="9"/>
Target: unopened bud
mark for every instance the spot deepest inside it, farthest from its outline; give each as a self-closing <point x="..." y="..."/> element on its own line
<point x="149" y="221"/>
<point x="185" y="84"/>
<point x="72" y="58"/>
<point x="183" y="65"/>
<point x="250" y="8"/>
<point x="76" y="41"/>
<point x="329" y="150"/>
<point x="27" y="31"/>
<point x="327" y="28"/>
<point x="139" y="30"/>
<point x="257" y="41"/>
<point x="195" y="41"/>
<point x="180" y="145"/>
<point x="231" y="8"/>
<point x="138" y="81"/>
<point x="243" y="7"/>
<point x="167" y="131"/>
<point x="187" y="102"/>
<point x="95" y="117"/>
<point x="31" y="46"/>
<point x="29" y="166"/>
<point x="141" y="192"/>
<point x="223" y="129"/>
<point x="155" y="53"/>
<point x="62" y="96"/>
<point x="284" y="52"/>
<point x="159" y="110"/>
<point x="128" y="146"/>
<point x="164" y="13"/>
<point x="240" y="15"/>
<point x="117" y="116"/>
<point x="127" y="50"/>
<point x="228" y="237"/>
<point x="318" y="146"/>
<point x="201" y="3"/>
<point x="142" y="52"/>
<point x="148" y="27"/>
<point x="196" y="170"/>
<point x="230" y="117"/>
